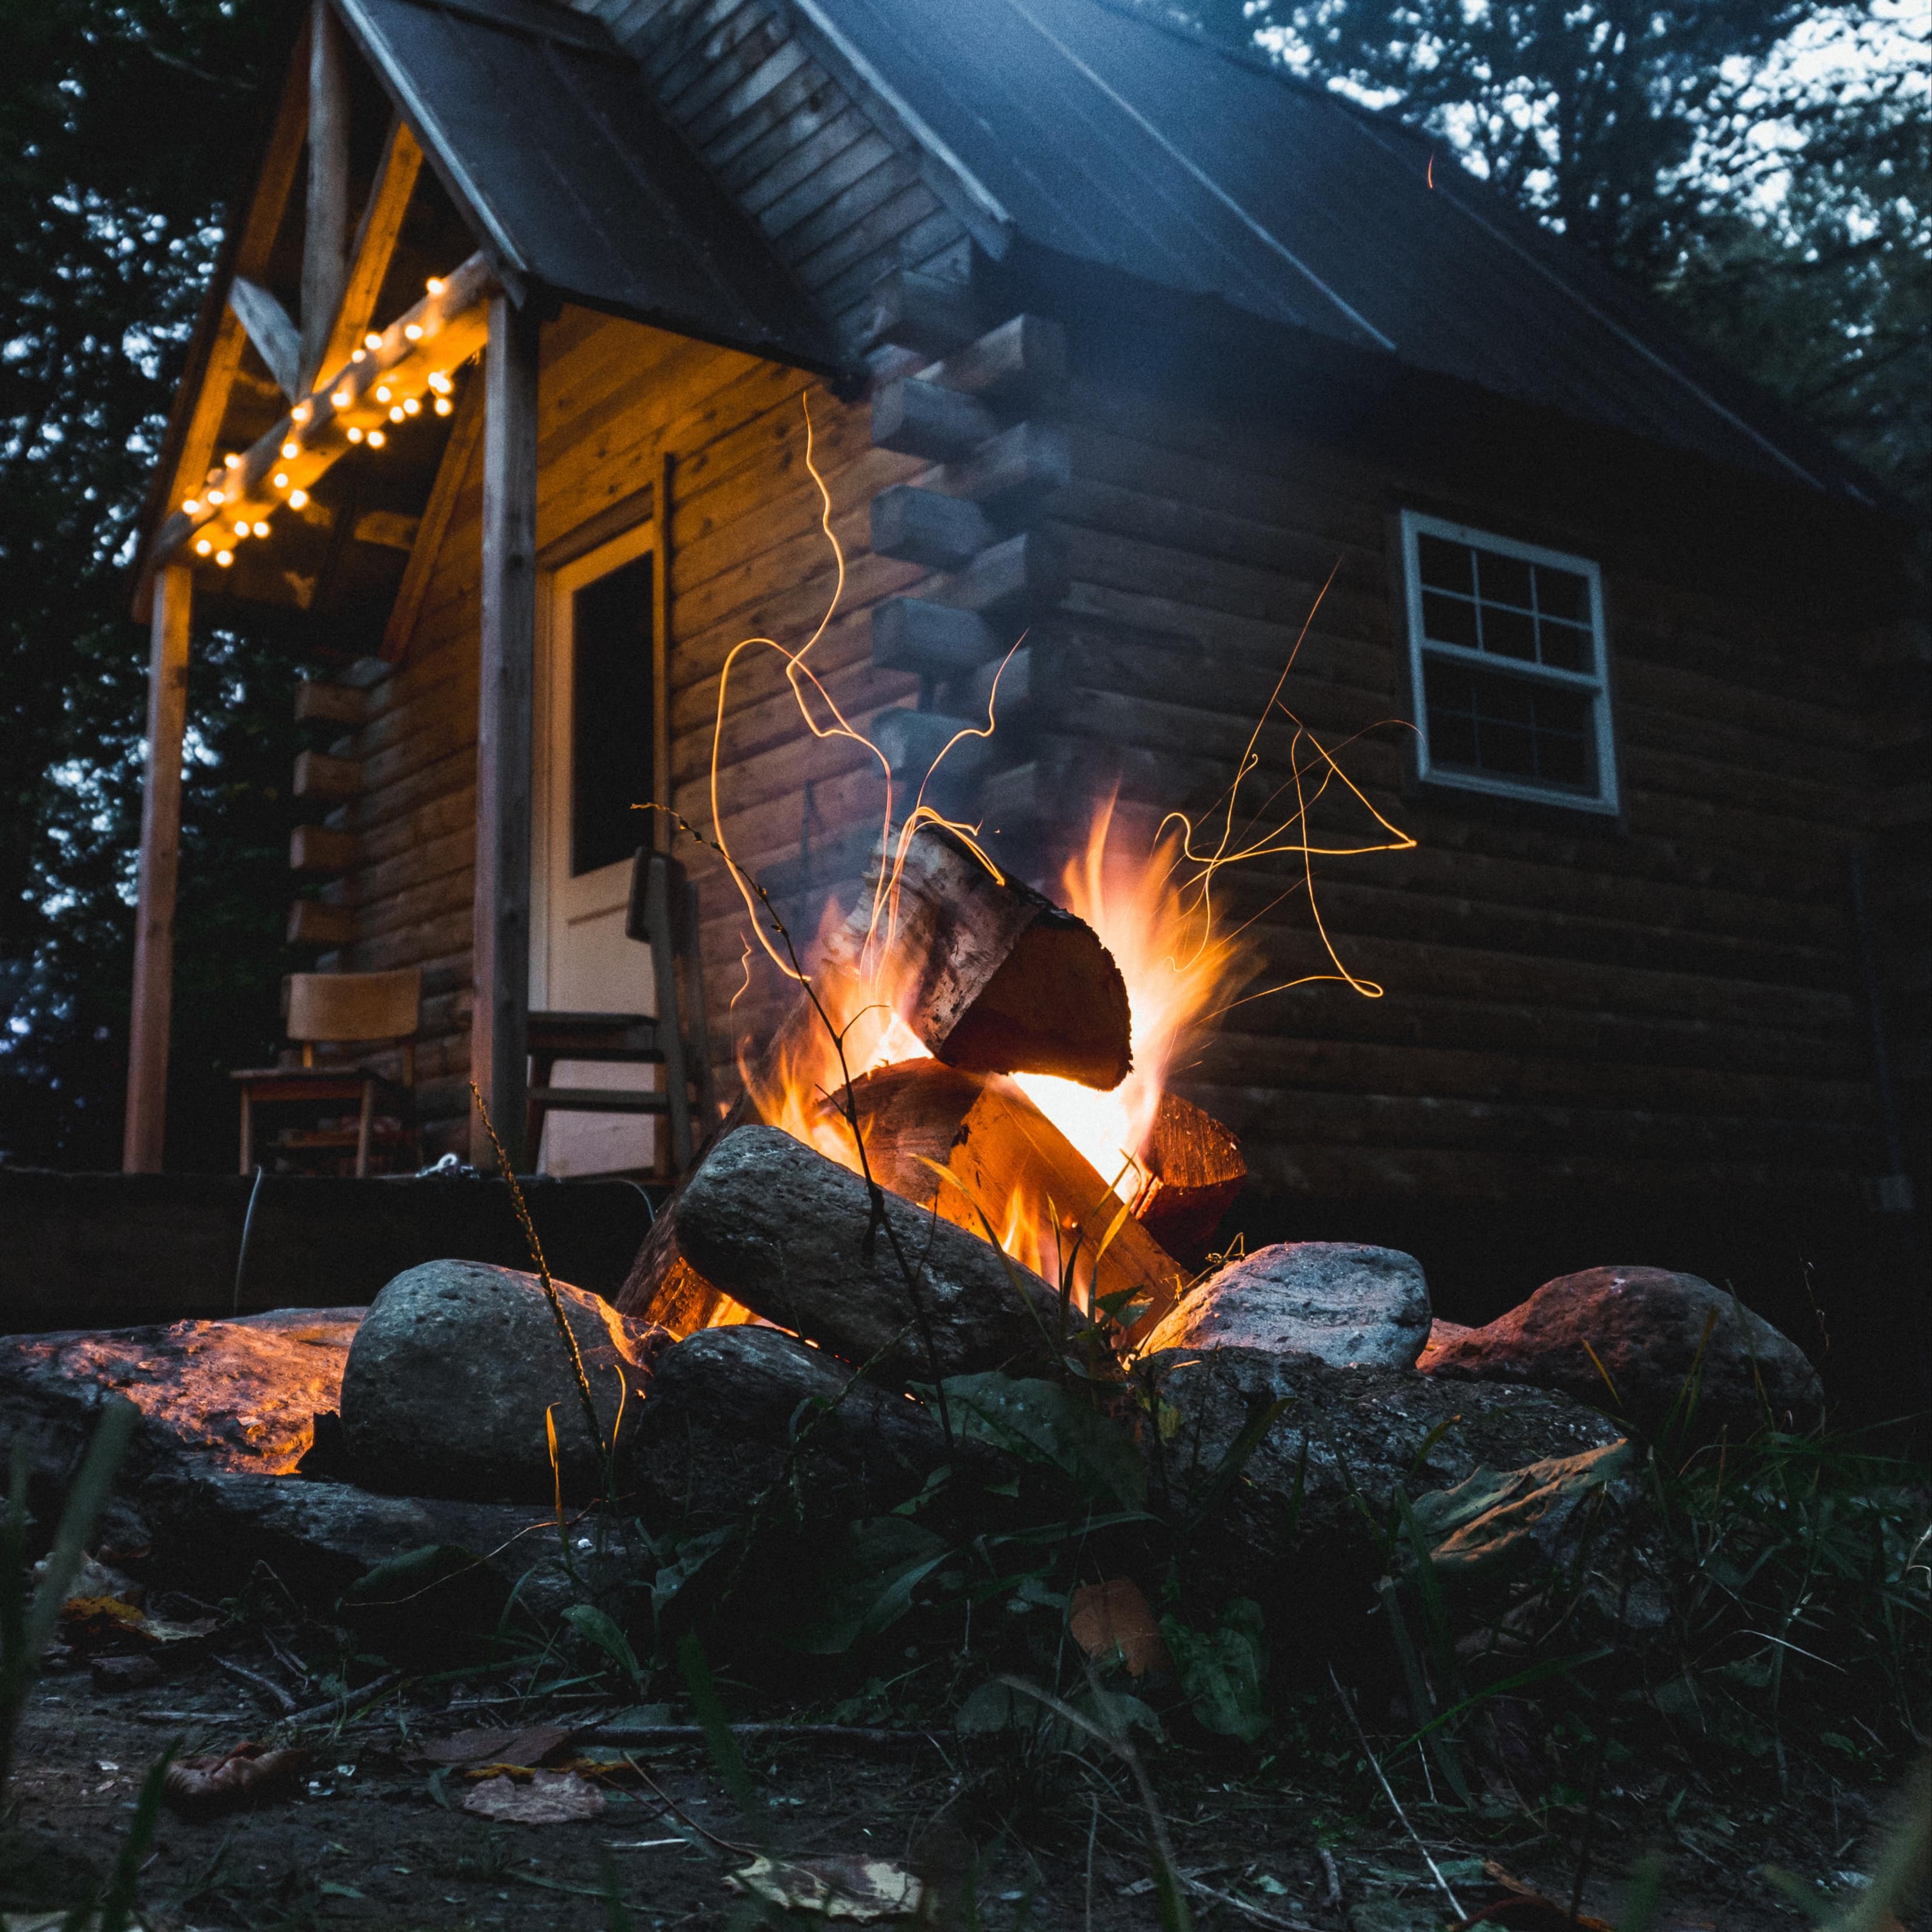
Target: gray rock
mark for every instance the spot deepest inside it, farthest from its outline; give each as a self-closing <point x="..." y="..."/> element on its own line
<point x="213" y="1526"/>
<point x="1352" y="1306"/>
<point x="783" y="1230"/>
<point x="454" y="1368"/>
<point x="741" y="1413"/>
<point x="1298" y="1530"/>
<point x="1646" y="1327"/>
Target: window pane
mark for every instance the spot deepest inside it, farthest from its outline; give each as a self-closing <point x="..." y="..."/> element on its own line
<point x="1503" y="580"/>
<point x="1449" y="620"/>
<point x="1562" y="593"/>
<point x="1513" y="727"/>
<point x="1565" y="646"/>
<point x="610" y="716"/>
<point x="1508" y="633"/>
<point x="1446" y="565"/>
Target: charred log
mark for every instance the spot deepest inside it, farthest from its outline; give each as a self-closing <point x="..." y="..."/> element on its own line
<point x="998" y="1152"/>
<point x="1001" y="980"/>
<point x="1194" y="1173"/>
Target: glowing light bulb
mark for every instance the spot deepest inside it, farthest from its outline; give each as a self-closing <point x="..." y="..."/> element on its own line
<point x="443" y="405"/>
<point x="217" y="495"/>
<point x="261" y="529"/>
<point x="224" y="558"/>
<point x="396" y="413"/>
<point x="411" y="407"/>
<point x="292" y="449"/>
<point x="413" y="330"/>
<point x="240" y="529"/>
<point x="355" y="435"/>
<point x="297" y="498"/>
<point x="191" y="506"/>
<point x="202" y="548"/>
<point x="383" y="392"/>
<point x="372" y="341"/>
<point x="434" y="285"/>
<point x="376" y="439"/>
<point x="340" y="399"/>
<point x="233" y="461"/>
<point x="300" y="413"/>
<point x="281" y="479"/>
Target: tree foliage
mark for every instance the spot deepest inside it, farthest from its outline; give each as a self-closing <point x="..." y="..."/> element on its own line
<point x="1765" y="165"/>
<point x="121" y="127"/>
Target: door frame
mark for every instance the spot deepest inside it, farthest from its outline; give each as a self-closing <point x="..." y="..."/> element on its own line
<point x="550" y="788"/>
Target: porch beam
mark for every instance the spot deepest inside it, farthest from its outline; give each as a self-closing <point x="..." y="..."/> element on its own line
<point x="376" y="239"/>
<point x="143" y="1129"/>
<point x="500" y="1017"/>
<point x="325" y="234"/>
<point x="266" y="324"/>
<point x="422" y="345"/>
<point x="466" y="432"/>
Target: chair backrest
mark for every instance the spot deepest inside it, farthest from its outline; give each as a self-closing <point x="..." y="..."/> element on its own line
<point x="350" y="1006"/>
<point x="659" y="901"/>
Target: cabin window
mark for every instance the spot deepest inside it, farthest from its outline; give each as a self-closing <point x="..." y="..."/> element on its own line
<point x="1506" y="667"/>
<point x="611" y="715"/>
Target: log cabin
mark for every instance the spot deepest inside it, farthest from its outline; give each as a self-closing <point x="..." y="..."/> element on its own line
<point x="1120" y="345"/>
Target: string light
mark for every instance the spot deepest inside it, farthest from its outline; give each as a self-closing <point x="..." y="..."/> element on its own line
<point x="281" y="479"/>
<point x="297" y="498"/>
<point x="292" y="449"/>
<point x="217" y="495"/>
<point x="382" y="393"/>
<point x="224" y="558"/>
<point x="355" y="434"/>
<point x="300" y="413"/>
<point x="372" y="341"/>
<point x="396" y="413"/>
<point x="202" y="548"/>
<point x="411" y="407"/>
<point x="434" y="285"/>
<point x="191" y="506"/>
<point x="376" y="439"/>
<point x="340" y="399"/>
<point x="443" y="405"/>
<point x="359" y="356"/>
<point x="240" y="529"/>
<point x="413" y="330"/>
<point x="261" y="529"/>
<point x="233" y="461"/>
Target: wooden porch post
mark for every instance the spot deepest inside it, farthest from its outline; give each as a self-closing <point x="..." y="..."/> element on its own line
<point x="161" y="857"/>
<point x="498" y="1028"/>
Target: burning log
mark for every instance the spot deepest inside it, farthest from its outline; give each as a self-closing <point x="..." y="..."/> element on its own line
<point x="1010" y="1163"/>
<point x="788" y="1234"/>
<point x="1195" y="1172"/>
<point x="997" y="979"/>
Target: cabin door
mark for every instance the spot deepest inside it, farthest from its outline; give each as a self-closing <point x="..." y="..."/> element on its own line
<point x="594" y="722"/>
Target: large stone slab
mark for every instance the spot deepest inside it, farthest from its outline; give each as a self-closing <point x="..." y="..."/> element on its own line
<point x="237" y="1396"/>
<point x="1352" y="1305"/>
<point x="1627" y="1340"/>
<point x="456" y="1367"/>
<point x="1303" y="1529"/>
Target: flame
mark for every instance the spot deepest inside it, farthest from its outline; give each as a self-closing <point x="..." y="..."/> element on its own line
<point x="1157" y="912"/>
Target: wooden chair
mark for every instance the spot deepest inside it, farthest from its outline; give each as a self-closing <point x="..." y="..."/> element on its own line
<point x="341" y="1009"/>
<point x="663" y="915"/>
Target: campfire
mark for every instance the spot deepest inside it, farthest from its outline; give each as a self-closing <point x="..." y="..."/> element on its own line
<point x="1001" y="1061"/>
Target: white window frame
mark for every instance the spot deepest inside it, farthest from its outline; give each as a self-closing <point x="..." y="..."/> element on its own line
<point x="1594" y="682"/>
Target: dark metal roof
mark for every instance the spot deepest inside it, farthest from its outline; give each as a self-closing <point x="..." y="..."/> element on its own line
<point x="544" y="130"/>
<point x="1105" y="135"/>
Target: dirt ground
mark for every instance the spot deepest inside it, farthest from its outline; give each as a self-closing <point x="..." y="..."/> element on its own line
<point x="373" y="1836"/>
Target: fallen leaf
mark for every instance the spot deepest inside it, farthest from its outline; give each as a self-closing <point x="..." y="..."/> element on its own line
<point x="246" y="1775"/>
<point x="549" y="1798"/>
<point x="854" y="1889"/>
<point x="1513" y="1906"/>
<point x="1114" y="1615"/>
<point x="90" y="1620"/>
<point x="529" y="1747"/>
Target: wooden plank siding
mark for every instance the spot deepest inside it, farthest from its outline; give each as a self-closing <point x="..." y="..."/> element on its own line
<point x="1663" y="1005"/>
